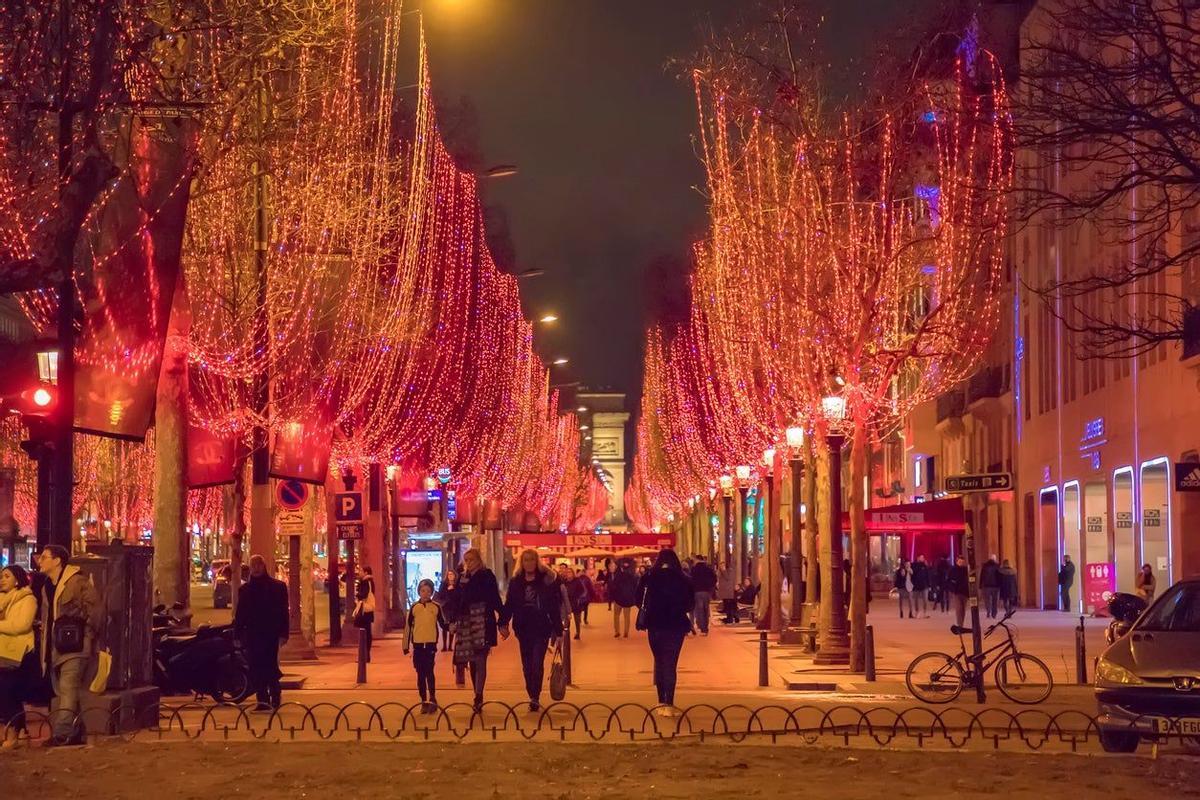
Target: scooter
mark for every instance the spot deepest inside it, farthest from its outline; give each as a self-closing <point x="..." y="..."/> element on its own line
<point x="206" y="661"/>
<point x="1124" y="609"/>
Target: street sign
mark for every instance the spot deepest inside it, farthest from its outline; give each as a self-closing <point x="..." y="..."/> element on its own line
<point x="983" y="482"/>
<point x="444" y="475"/>
<point x="1124" y="519"/>
<point x="291" y="494"/>
<point x="291" y="523"/>
<point x="1095" y="524"/>
<point x="348" y="515"/>
<point x="1151" y="518"/>
<point x="349" y="531"/>
<point x="1187" y="477"/>
<point x="451" y="504"/>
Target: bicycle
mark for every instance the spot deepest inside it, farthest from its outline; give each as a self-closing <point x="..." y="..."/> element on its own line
<point x="937" y="678"/>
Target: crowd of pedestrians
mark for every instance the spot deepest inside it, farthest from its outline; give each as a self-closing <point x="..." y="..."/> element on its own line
<point x="946" y="587"/>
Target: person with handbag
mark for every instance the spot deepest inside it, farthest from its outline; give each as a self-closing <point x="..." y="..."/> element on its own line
<point x="534" y="607"/>
<point x="71" y="618"/>
<point x="261" y="625"/>
<point x="18" y="608"/>
<point x="364" y="609"/>
<point x="667" y="598"/>
<point x="479" y="607"/>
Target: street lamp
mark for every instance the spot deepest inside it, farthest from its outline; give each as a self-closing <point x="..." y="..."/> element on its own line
<point x="742" y="557"/>
<point x="726" y="482"/>
<point x="558" y="362"/>
<point x="835" y="639"/>
<point x="773" y="545"/>
<point x="548" y="318"/>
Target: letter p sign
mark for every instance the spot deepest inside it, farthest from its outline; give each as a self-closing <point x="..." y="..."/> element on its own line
<point x="348" y="507"/>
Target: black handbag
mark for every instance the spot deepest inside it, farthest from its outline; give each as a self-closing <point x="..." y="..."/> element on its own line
<point x="642" y="618"/>
<point x="558" y="674"/>
<point x="68" y="634"/>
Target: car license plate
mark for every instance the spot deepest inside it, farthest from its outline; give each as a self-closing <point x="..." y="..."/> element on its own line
<point x="1187" y="726"/>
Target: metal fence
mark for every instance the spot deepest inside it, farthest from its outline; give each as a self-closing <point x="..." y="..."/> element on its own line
<point x="842" y="725"/>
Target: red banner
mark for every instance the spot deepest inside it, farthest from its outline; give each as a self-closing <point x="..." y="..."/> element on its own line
<point x="211" y="460"/>
<point x="300" y="451"/>
<point x="614" y="541"/>
<point x="127" y="297"/>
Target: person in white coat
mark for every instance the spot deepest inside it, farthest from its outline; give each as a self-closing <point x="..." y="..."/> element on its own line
<point x="18" y="609"/>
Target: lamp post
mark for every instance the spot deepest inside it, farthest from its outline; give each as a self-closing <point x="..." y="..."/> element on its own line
<point x="727" y="526"/>
<point x="834" y="638"/>
<point x="711" y="543"/>
<point x="772" y="575"/>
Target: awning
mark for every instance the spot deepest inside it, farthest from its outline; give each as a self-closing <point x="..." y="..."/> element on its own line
<point x="934" y="516"/>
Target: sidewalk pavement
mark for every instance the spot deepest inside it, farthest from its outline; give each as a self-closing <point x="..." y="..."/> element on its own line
<point x="721" y="668"/>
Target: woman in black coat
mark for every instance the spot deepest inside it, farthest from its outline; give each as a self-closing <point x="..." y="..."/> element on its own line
<point x="534" y="604"/>
<point x="666" y="599"/>
<point x="447" y="598"/>
<point x="479" y="607"/>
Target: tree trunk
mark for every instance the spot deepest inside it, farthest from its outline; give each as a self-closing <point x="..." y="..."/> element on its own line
<point x="814" y="512"/>
<point x="859" y="572"/>
<point x="774" y="533"/>
<point x="824" y="541"/>
<point x="238" y="537"/>
<point x="308" y="608"/>
<point x="172" y="570"/>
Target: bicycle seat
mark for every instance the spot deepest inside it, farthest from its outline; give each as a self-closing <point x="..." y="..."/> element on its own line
<point x="961" y="631"/>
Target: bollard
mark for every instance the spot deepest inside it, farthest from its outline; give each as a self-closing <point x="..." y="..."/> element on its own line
<point x="869" y="647"/>
<point x="812" y="637"/>
<point x="1080" y="654"/>
<point x="362" y="657"/>
<point x="763" y="673"/>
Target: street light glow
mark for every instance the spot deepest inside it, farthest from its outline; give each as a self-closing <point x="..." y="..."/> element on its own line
<point x="548" y="318"/>
<point x="558" y="362"/>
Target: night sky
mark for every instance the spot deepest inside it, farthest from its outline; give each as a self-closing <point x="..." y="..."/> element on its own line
<point x="580" y="96"/>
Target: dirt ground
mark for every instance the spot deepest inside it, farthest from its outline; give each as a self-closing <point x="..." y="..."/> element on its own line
<point x="574" y="772"/>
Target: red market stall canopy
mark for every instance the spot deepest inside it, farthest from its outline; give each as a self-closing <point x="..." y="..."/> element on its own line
<point x="935" y="516"/>
<point x="568" y="543"/>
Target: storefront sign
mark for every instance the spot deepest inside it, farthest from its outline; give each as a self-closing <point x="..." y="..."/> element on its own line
<point x="1124" y="519"/>
<point x="1152" y="518"/>
<point x="1095" y="524"/>
<point x="1187" y="477"/>
<point x="1099" y="582"/>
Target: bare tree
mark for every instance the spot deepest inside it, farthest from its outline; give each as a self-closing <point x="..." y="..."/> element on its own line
<point x="1109" y="125"/>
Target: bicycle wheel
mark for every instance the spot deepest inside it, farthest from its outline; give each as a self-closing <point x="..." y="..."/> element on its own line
<point x="1024" y="678"/>
<point x="934" y="678"/>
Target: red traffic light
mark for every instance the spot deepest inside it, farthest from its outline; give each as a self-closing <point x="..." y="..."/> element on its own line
<point x="36" y="401"/>
<point x="42" y="397"/>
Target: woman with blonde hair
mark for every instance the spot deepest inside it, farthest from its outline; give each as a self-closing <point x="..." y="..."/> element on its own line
<point x="18" y="608"/>
<point x="535" y="606"/>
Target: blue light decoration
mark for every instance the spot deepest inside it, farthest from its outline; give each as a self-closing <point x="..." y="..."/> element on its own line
<point x="929" y="269"/>
<point x="932" y="197"/>
<point x="929" y="117"/>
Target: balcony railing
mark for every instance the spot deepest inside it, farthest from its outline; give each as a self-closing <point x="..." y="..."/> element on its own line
<point x="988" y="382"/>
<point x="951" y="405"/>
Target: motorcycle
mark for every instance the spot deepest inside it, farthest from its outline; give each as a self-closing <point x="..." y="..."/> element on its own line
<point x="1124" y="609"/>
<point x="204" y="661"/>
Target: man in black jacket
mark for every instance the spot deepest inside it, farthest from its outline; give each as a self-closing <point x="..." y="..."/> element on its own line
<point x="261" y="625"/>
<point x="958" y="586"/>
<point x="989" y="586"/>
<point x="704" y="581"/>
<point x="920" y="586"/>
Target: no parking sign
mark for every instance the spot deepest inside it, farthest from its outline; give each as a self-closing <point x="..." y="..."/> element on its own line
<point x="291" y="495"/>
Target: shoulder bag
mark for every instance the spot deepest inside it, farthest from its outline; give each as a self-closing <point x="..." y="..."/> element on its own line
<point x="558" y="674"/>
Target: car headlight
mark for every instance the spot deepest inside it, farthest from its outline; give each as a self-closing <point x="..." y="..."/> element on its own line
<point x="1109" y="673"/>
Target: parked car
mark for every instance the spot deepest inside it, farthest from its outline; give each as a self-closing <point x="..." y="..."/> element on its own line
<point x="1148" y="681"/>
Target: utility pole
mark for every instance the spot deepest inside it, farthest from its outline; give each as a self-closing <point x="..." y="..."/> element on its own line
<point x="262" y="539"/>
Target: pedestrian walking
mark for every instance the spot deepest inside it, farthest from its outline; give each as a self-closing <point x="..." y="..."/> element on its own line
<point x="941" y="575"/>
<point x="71" y="615"/>
<point x="261" y="625"/>
<point x="446" y="596"/>
<point x="577" y="595"/>
<point x="958" y="587"/>
<point x="920" y="587"/>
<point x="727" y="592"/>
<point x="704" y="582"/>
<point x="989" y="586"/>
<point x="1144" y="586"/>
<point x="534" y="607"/>
<point x="18" y="661"/>
<point x="478" y="611"/>
<point x="425" y="620"/>
<point x="1008" y="586"/>
<point x="364" y="608"/>
<point x="902" y="580"/>
<point x="622" y="591"/>
<point x="666" y="599"/>
<point x="1066" y="579"/>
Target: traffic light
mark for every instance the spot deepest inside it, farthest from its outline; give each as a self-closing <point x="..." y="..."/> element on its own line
<point x="36" y="405"/>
